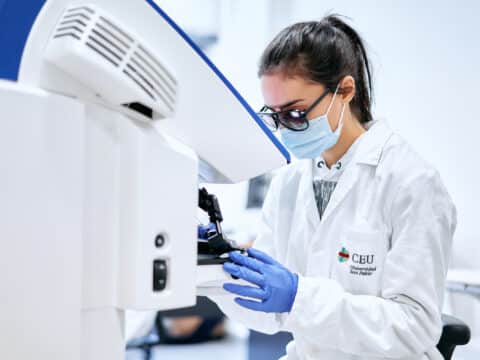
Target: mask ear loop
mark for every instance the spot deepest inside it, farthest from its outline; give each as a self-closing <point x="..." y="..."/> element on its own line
<point x="333" y="99"/>
<point x="340" y="122"/>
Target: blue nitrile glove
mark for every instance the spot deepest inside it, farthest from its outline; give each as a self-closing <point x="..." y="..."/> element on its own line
<point x="202" y="230"/>
<point x="276" y="286"/>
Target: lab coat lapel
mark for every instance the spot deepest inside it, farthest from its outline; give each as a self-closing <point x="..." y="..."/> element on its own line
<point x="345" y="184"/>
<point x="368" y="153"/>
<point x="306" y="198"/>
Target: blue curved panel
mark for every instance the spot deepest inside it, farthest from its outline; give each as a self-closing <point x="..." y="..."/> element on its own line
<point x="227" y="83"/>
<point x="16" y="20"/>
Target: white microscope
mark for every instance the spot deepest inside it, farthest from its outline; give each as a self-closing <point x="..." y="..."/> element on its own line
<point x="110" y="114"/>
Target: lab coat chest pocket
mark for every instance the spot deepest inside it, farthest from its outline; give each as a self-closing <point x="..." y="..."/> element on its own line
<point x="360" y="259"/>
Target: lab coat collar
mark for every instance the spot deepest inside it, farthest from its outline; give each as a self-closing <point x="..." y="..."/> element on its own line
<point x="371" y="146"/>
<point x="368" y="152"/>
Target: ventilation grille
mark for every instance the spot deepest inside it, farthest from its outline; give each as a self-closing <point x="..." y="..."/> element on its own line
<point x="151" y="76"/>
<point x="74" y="22"/>
<point x="108" y="39"/>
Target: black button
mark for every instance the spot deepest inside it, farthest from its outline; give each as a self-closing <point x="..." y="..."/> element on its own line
<point x="320" y="164"/>
<point x="159" y="275"/>
<point x="160" y="240"/>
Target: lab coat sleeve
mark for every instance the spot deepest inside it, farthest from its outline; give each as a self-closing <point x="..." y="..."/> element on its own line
<point x="406" y="318"/>
<point x="259" y="321"/>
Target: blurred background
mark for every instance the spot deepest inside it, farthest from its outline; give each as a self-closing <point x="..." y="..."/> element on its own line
<point x="425" y="57"/>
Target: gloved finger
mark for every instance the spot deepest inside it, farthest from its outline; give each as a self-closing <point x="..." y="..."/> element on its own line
<point x="202" y="230"/>
<point x="247" y="291"/>
<point x="260" y="255"/>
<point x="250" y="304"/>
<point x="244" y="273"/>
<point x="246" y="261"/>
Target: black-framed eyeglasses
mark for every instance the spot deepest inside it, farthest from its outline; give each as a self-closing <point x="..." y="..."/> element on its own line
<point x="293" y="119"/>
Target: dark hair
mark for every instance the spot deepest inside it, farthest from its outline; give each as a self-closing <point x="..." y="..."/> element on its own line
<point x="323" y="51"/>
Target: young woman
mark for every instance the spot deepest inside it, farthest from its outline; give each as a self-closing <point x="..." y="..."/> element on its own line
<point x="357" y="234"/>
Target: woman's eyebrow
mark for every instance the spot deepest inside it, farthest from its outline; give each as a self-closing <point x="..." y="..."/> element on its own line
<point x="290" y="103"/>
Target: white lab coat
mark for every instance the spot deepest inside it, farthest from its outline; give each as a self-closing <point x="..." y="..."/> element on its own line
<point x="393" y="215"/>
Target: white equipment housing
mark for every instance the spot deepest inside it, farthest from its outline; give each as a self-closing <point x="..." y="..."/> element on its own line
<point x="102" y="139"/>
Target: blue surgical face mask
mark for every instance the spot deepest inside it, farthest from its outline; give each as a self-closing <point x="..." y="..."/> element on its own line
<point x="316" y="139"/>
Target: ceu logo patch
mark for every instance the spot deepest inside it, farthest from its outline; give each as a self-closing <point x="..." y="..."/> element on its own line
<point x="343" y="255"/>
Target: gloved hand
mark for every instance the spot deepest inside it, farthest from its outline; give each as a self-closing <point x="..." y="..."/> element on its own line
<point x="276" y="285"/>
<point x="202" y="230"/>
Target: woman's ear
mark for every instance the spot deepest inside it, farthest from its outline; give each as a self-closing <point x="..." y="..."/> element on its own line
<point x="348" y="89"/>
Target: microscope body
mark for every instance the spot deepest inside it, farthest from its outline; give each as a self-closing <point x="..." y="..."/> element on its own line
<point x="101" y="146"/>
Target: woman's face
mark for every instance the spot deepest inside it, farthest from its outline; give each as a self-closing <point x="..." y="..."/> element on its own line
<point x="287" y="93"/>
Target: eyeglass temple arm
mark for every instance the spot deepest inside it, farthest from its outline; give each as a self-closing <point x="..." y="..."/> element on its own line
<point x="315" y="103"/>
